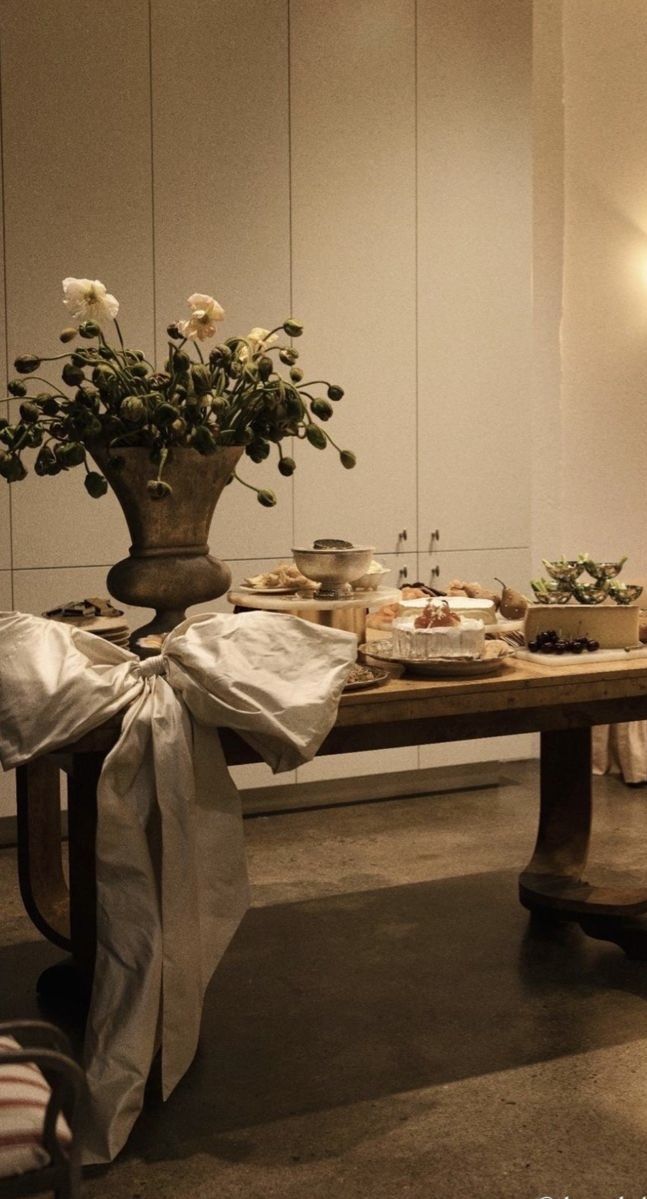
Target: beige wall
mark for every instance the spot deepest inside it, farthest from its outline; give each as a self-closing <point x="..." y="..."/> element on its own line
<point x="361" y="164"/>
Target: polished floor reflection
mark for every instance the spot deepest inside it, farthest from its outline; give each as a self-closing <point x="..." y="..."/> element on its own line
<point x="387" y="1021"/>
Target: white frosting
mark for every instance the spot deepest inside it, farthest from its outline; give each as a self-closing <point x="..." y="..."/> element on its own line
<point x="464" y="640"/>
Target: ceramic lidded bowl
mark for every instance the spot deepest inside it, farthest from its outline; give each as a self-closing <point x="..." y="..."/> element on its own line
<point x="333" y="568"/>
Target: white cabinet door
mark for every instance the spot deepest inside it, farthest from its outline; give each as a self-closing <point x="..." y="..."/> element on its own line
<point x="474" y="260"/>
<point x="353" y="242"/>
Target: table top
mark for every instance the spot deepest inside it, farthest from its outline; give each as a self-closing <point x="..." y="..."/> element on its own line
<point x="522" y="697"/>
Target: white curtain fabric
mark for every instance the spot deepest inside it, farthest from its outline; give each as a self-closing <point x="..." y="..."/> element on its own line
<point x="171" y="876"/>
<point x="621" y="749"/>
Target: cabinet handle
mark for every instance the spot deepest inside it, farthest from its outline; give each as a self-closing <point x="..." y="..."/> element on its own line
<point x="435" y="571"/>
<point x="434" y="536"/>
<point x="403" y="573"/>
<point x="402" y="536"/>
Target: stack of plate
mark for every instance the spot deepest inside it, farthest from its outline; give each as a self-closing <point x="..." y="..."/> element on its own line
<point x="95" y="615"/>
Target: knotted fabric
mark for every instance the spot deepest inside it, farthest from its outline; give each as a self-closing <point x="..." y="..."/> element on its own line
<point x="171" y="875"/>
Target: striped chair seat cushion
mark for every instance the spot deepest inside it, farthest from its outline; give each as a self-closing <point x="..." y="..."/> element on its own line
<point x="24" y="1095"/>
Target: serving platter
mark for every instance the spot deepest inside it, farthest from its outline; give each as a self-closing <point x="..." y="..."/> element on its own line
<point x="493" y="658"/>
<point x="267" y="590"/>
<point x="377" y="678"/>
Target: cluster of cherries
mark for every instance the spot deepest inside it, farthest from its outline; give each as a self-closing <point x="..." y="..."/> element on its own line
<point x="550" y="642"/>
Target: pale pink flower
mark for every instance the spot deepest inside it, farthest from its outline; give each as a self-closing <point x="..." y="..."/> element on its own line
<point x="88" y="300"/>
<point x="205" y="314"/>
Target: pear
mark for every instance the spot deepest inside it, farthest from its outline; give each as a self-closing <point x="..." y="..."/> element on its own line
<point x="513" y="603"/>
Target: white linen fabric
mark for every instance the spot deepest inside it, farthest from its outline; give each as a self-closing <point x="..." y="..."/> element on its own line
<point x="171" y="876"/>
<point x="621" y="749"/>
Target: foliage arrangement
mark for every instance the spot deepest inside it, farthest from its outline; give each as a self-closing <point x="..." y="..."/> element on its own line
<point x="113" y="397"/>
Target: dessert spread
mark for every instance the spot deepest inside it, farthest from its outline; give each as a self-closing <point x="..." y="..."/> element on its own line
<point x="437" y="632"/>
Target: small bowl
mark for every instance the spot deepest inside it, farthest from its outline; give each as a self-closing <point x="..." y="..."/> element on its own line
<point x="334" y="567"/>
<point x="590" y="593"/>
<point x="550" y="593"/>
<point x="625" y="593"/>
<point x="370" y="581"/>
<point x="603" y="570"/>
<point x="565" y="571"/>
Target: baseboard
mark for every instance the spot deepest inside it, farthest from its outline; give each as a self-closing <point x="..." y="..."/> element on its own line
<point x="371" y="788"/>
<point x="332" y="793"/>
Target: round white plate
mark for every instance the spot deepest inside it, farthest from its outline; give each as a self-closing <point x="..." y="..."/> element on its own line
<point x="265" y="590"/>
<point x="493" y="658"/>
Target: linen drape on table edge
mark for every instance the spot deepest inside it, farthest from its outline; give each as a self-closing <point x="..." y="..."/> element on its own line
<point x="170" y="852"/>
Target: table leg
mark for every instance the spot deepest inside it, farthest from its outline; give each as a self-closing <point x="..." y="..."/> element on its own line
<point x="552" y="883"/>
<point x="67" y="917"/>
<point x="40" y="867"/>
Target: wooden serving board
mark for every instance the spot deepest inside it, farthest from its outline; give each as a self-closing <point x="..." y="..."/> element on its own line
<point x="598" y="655"/>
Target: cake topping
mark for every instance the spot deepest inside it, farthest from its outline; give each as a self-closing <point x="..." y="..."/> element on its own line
<point x="436" y="615"/>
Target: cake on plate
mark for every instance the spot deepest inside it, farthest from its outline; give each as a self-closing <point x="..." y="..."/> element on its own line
<point x="437" y="632"/>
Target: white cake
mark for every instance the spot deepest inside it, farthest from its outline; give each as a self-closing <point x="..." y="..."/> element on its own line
<point x="463" y="640"/>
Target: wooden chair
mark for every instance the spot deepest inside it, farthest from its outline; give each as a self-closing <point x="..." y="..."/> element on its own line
<point x="50" y="1054"/>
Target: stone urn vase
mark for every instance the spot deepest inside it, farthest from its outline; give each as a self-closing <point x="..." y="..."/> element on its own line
<point x="169" y="566"/>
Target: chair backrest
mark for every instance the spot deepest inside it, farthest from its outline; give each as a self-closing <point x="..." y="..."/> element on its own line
<point x="40" y="1088"/>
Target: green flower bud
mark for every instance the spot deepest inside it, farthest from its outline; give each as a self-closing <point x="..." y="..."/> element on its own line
<point x="45" y="461"/>
<point x="288" y="355"/>
<point x="293" y="328"/>
<point x="17" y="388"/>
<point x="68" y="334"/>
<point x="158" y="489"/>
<point x="34" y="437"/>
<point x="89" y="329"/>
<point x="164" y="414"/>
<point x="95" y="484"/>
<point x="321" y="408"/>
<point x="200" y="377"/>
<point x="178" y="427"/>
<point x="265" y="367"/>
<point x="296" y="374"/>
<point x="316" y="437"/>
<point x="287" y="466"/>
<point x="139" y="370"/>
<point x="180" y="362"/>
<point x="88" y="395"/>
<point x="293" y="406"/>
<point x="334" y="392"/>
<point x="72" y="375"/>
<point x="203" y="440"/>
<point x="26" y="364"/>
<point x="29" y="412"/>
<point x="266" y="498"/>
<point x="72" y="454"/>
<point x="133" y="410"/>
<point x="347" y="459"/>
<point x="173" y="331"/>
<point x="51" y="406"/>
<point x="12" y="469"/>
<point x="227" y="437"/>
<point x="257" y="450"/>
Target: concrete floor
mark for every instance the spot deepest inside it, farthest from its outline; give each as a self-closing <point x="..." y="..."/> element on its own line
<point x="386" y="1023"/>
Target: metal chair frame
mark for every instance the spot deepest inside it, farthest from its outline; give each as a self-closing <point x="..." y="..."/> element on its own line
<point x="51" y="1054"/>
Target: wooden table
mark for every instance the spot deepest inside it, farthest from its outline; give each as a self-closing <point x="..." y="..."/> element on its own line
<point x="562" y="703"/>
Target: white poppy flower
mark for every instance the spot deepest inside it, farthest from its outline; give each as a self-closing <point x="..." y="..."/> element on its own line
<point x="88" y="300"/>
<point x="260" y="340"/>
<point x="205" y="314"/>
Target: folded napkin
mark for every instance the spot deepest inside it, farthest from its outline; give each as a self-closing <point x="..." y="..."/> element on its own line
<point x="171" y="875"/>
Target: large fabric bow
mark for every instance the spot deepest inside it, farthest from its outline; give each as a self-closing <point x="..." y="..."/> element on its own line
<point x="171" y="876"/>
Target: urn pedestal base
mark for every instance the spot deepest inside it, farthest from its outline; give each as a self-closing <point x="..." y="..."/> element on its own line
<point x="169" y="567"/>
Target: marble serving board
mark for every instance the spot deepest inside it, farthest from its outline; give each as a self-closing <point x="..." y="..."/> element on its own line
<point x="598" y="655"/>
